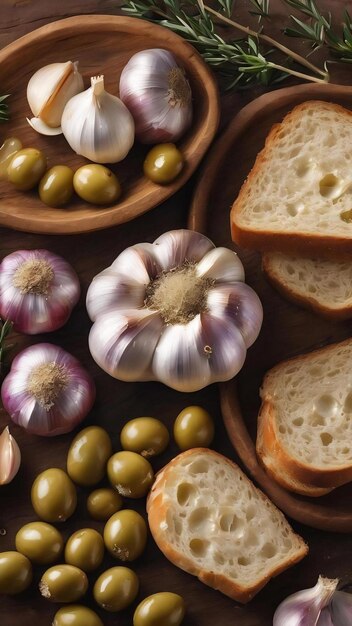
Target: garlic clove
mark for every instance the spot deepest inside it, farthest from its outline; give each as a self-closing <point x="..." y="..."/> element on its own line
<point x="43" y="129"/>
<point x="180" y="360"/>
<point x="341" y="609"/>
<point x="325" y="619"/>
<point x="222" y="265"/>
<point x="240" y="304"/>
<point x="123" y="342"/>
<point x="109" y="291"/>
<point x="10" y="457"/>
<point x="141" y="260"/>
<point x="50" y="88"/>
<point x="175" y="247"/>
<point x="223" y="344"/>
<point x="304" y="607"/>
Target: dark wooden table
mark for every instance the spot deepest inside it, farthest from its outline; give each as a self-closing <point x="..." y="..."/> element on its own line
<point x="118" y="402"/>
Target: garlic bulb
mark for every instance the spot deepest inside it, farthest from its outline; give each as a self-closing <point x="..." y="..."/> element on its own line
<point x="304" y="607"/>
<point x="48" y="91"/>
<point x="10" y="457"/>
<point x="175" y="311"/>
<point x="38" y="290"/>
<point x="47" y="392"/>
<point x="157" y="93"/>
<point x="97" y="125"/>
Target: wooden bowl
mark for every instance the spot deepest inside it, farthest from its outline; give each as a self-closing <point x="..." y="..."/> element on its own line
<point x="287" y="330"/>
<point x="103" y="45"/>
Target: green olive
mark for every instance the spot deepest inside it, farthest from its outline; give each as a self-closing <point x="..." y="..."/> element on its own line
<point x="26" y="168"/>
<point x="53" y="495"/>
<point x="103" y="503"/>
<point x="88" y="455"/>
<point x="7" y="151"/>
<point x="160" y="609"/>
<point x="40" y="542"/>
<point x="15" y="572"/>
<point x="63" y="583"/>
<point x="125" y="535"/>
<point x="96" y="184"/>
<point x="85" y="549"/>
<point x="56" y="186"/>
<point x="130" y="474"/>
<point x="76" y="615"/>
<point x="116" y="588"/>
<point x="145" y="435"/>
<point x="163" y="163"/>
<point x="193" y="428"/>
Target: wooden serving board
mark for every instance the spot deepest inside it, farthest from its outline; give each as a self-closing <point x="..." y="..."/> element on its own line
<point x="287" y="329"/>
<point x="102" y="44"/>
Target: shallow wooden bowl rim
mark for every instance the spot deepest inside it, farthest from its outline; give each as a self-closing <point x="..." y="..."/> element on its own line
<point x="128" y="208"/>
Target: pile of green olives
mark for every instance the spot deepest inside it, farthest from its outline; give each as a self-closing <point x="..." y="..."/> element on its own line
<point x="54" y="499"/>
<point x="26" y="168"/>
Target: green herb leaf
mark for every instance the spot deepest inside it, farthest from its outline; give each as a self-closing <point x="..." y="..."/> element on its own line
<point x="3" y="108"/>
<point x="5" y="330"/>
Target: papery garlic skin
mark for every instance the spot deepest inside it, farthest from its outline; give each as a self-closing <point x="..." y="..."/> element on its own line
<point x="10" y="457"/>
<point x="304" y="607"/>
<point x="341" y="608"/>
<point x="48" y="91"/>
<point x="47" y="392"/>
<point x="97" y="125"/>
<point x="38" y="290"/>
<point x="174" y="311"/>
<point x="157" y="93"/>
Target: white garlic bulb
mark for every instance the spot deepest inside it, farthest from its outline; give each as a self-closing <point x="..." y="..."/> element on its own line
<point x="97" y="125"/>
<point x="176" y="311"/>
<point x="48" y="91"/>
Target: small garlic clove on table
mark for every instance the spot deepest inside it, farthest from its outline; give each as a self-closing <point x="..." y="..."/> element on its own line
<point x="10" y="457"/>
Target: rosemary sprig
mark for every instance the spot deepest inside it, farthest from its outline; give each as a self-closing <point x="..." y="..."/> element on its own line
<point x="240" y="62"/>
<point x="319" y="30"/>
<point x="261" y="8"/>
<point x="5" y="330"/>
<point x="3" y="108"/>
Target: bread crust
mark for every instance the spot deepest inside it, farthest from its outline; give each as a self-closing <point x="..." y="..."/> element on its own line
<point x="308" y="302"/>
<point x="157" y="510"/>
<point x="308" y="244"/>
<point x="269" y="446"/>
<point x="276" y="461"/>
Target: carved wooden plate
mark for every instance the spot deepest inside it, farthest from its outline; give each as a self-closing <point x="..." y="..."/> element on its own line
<point x="102" y="45"/>
<point x="287" y="329"/>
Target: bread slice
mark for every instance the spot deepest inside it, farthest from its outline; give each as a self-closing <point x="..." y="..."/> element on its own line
<point x="298" y="196"/>
<point x="208" y="519"/>
<point x="304" y="437"/>
<point x="322" y="285"/>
